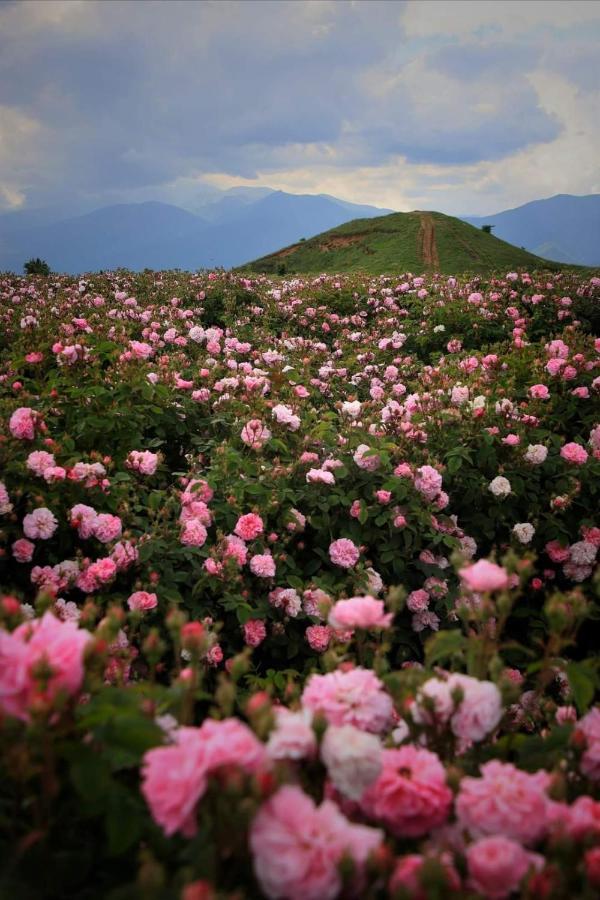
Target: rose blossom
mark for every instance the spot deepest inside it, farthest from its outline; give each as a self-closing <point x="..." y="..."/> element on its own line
<point x="142" y="601"/>
<point x="254" y="632"/>
<point x="500" y="486"/>
<point x="23" y="550"/>
<point x="297" y="847"/>
<point x="344" y="553"/>
<point x="174" y="777"/>
<point x="59" y="645"/>
<point x="194" y="533"/>
<point x="22" y="423"/>
<point x="352" y="758"/>
<point x="249" y="527"/>
<point x="356" y="697"/>
<point x="41" y="523"/>
<point x="497" y="866"/>
<point x="263" y="565"/>
<point x="293" y="736"/>
<point x="359" y="612"/>
<point x="505" y="801"/>
<point x="484" y="576"/>
<point x="574" y="453"/>
<point x="254" y="434"/>
<point x="410" y="796"/>
<point x="318" y="637"/>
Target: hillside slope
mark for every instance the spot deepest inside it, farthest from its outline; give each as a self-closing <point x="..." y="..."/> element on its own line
<point x="399" y="242"/>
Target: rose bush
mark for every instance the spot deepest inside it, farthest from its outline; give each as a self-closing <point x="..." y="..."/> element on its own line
<point x="293" y="579"/>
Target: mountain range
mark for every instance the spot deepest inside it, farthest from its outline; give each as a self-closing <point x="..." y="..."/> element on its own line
<point x="235" y="228"/>
<point x="564" y="228"/>
<point x="229" y="228"/>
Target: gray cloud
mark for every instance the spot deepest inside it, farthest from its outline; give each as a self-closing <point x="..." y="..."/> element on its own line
<point x="114" y="99"/>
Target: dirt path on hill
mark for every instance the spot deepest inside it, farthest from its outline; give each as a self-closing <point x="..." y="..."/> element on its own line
<point x="428" y="246"/>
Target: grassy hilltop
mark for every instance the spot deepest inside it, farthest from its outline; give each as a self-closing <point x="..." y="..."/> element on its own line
<point x="412" y="241"/>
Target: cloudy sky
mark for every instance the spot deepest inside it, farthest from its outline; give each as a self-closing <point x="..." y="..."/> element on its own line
<point x="465" y="107"/>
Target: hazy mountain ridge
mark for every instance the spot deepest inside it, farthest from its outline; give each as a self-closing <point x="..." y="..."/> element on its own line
<point x="565" y="228"/>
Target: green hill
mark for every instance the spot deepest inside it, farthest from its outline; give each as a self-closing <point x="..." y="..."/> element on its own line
<point x="400" y="242"/>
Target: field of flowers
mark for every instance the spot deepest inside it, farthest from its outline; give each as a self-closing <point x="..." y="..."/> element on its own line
<point x="299" y="594"/>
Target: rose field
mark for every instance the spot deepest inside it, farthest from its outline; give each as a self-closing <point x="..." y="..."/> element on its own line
<point x="298" y="587"/>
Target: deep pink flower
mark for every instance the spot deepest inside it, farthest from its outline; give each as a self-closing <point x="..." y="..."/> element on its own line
<point x="410" y="796"/>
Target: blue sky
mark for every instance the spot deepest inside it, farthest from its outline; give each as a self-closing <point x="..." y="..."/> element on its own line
<point x="466" y="107"/>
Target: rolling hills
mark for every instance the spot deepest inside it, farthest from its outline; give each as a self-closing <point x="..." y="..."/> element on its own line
<point x="413" y="241"/>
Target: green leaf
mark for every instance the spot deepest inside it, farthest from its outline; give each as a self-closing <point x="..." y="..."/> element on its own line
<point x="582" y="682"/>
<point x="444" y="645"/>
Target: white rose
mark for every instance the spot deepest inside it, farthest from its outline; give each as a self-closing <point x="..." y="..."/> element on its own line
<point x="352" y="758"/>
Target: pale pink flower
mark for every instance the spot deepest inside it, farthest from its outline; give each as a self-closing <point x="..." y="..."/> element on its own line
<point x="484" y="576"/>
<point x="539" y="392"/>
<point x="142" y="461"/>
<point x="142" y="601"/>
<point x="297" y="847"/>
<point x="505" y="801"/>
<point x="107" y="528"/>
<point x="39" y="460"/>
<point x="293" y="736"/>
<point x="365" y="458"/>
<point x="263" y="565"/>
<point x="428" y="482"/>
<point x="254" y="434"/>
<point x="410" y="796"/>
<point x="40" y="524"/>
<point x="417" y="601"/>
<point x="60" y="644"/>
<point x="344" y="553"/>
<point x="194" y="533"/>
<point x="356" y="697"/>
<point x="359" y="612"/>
<point x="23" y="422"/>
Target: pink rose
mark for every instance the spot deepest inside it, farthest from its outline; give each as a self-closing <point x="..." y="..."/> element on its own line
<point x="22" y="423"/>
<point x="249" y="527"/>
<point x="484" y="576"/>
<point x="344" y="553"/>
<point x="141" y="601"/>
<point x="23" y="550"/>
<point x="263" y="565"/>
<point x="356" y="697"/>
<point x="297" y="847"/>
<point x="410" y="796"/>
<point x="359" y="612"/>
<point x="59" y="644"/>
<point x="254" y="632"/>
<point x="497" y="866"/>
<point x="574" y="453"/>
<point x="504" y="801"/>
